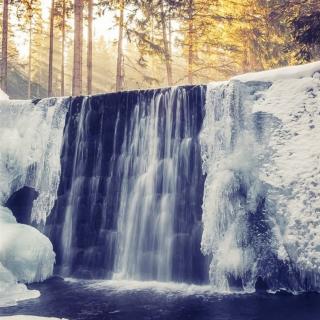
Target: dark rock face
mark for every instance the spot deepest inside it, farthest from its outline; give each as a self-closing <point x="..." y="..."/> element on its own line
<point x="21" y="202"/>
<point x="84" y="223"/>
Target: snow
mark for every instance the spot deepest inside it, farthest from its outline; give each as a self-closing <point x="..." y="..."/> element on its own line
<point x="261" y="133"/>
<point x="25" y="251"/>
<point x="229" y="153"/>
<point x="26" y="256"/>
<point x="30" y="144"/>
<point x="292" y="72"/>
<point x="3" y="96"/>
<point x="293" y="169"/>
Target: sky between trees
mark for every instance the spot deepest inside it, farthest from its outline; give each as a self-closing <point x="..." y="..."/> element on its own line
<point x="64" y="47"/>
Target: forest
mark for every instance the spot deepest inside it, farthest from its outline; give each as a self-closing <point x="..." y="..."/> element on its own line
<point x="63" y="47"/>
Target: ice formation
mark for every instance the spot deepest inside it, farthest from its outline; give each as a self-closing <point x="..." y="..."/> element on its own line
<point x="261" y="208"/>
<point x="230" y="155"/>
<point x="30" y="142"/>
<point x="25" y="251"/>
<point x="293" y="170"/>
<point x="26" y="256"/>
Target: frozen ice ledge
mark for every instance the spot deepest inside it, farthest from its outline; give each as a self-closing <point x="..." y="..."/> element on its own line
<point x="30" y="143"/>
<point x="207" y="184"/>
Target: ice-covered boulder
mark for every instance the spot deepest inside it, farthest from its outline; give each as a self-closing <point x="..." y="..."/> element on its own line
<point x="25" y="251"/>
<point x="26" y="255"/>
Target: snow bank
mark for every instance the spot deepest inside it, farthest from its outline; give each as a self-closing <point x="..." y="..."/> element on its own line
<point x="292" y="72"/>
<point x="293" y="169"/>
<point x="3" y="96"/>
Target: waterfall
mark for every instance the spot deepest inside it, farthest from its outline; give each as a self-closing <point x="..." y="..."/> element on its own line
<point x="188" y="184"/>
<point x="129" y="201"/>
<point x="159" y="142"/>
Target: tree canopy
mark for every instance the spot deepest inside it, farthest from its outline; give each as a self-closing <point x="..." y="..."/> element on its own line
<point x="151" y="43"/>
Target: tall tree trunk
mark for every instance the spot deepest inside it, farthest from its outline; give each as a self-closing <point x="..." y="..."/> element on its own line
<point x="63" y="31"/>
<point x="170" y="36"/>
<point x="119" y="76"/>
<point x="50" y="93"/>
<point x="89" y="53"/>
<point x="190" y="42"/>
<point x="77" y="49"/>
<point x="167" y="56"/>
<point x="30" y="57"/>
<point x="4" y="46"/>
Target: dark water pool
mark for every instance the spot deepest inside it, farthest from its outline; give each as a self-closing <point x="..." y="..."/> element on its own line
<point x="137" y="301"/>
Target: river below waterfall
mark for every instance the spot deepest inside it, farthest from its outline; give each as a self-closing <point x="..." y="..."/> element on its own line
<point x="99" y="300"/>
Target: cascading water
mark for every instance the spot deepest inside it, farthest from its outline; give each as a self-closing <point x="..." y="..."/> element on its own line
<point x="129" y="202"/>
<point x="159" y="142"/>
